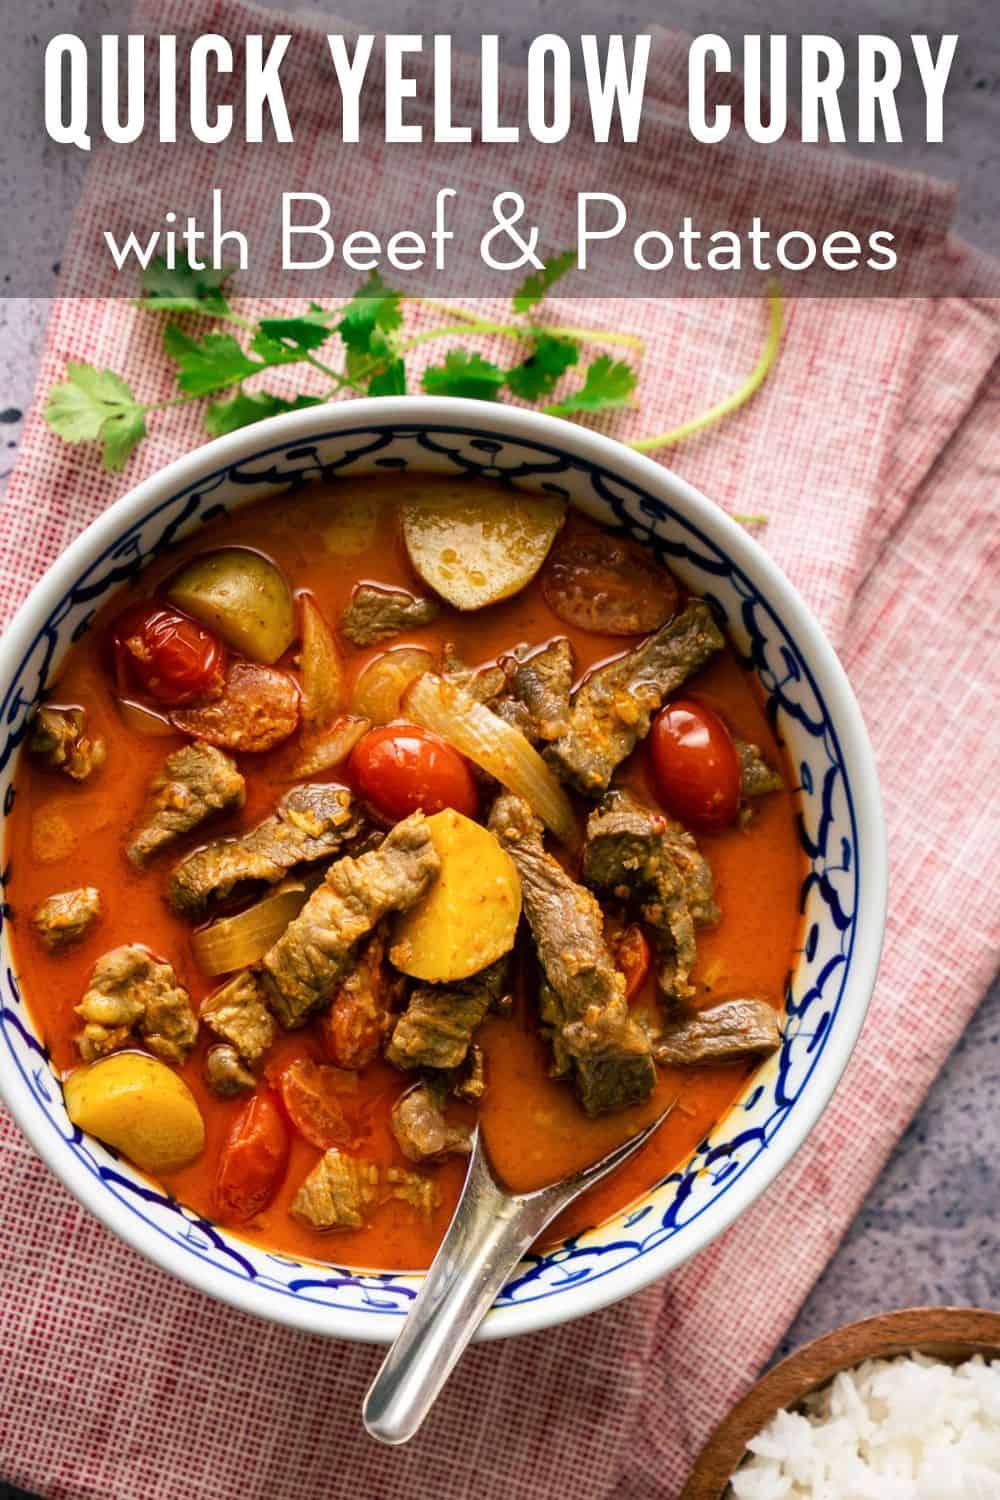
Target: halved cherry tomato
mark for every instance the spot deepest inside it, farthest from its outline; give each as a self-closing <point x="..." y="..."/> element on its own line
<point x="166" y="655"/>
<point x="696" y="765"/>
<point x="253" y="1161"/>
<point x="633" y="957"/>
<point x="310" y="1094"/>
<point x="607" y="584"/>
<point x="401" y="768"/>
<point x="256" y="709"/>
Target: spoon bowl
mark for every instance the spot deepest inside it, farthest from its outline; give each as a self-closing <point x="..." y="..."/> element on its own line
<point x="489" y="1232"/>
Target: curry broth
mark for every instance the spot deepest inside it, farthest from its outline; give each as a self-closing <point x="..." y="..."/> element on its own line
<point x="60" y="835"/>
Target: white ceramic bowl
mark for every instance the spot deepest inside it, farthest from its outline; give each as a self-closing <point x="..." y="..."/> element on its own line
<point x="814" y="710"/>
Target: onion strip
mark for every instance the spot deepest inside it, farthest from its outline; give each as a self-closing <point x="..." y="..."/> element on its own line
<point x="330" y="748"/>
<point x="321" y="670"/>
<point x="142" y="720"/>
<point x="236" y="942"/>
<point x="495" y="746"/>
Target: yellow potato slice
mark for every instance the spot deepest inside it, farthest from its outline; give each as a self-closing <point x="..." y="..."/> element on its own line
<point x="140" y="1107"/>
<point x="243" y="597"/>
<point x="475" y="546"/>
<point x="469" y="916"/>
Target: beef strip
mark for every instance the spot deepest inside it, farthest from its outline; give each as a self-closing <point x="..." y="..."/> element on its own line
<point x="419" y="1125"/>
<point x="419" y="1192"/>
<point x="584" y="995"/>
<point x="613" y="708"/>
<point x="195" y="782"/>
<point x="542" y="683"/>
<point x="310" y="823"/>
<point x="469" y="1081"/>
<point x="482" y="683"/>
<point x="377" y="614"/>
<point x="313" y="953"/>
<point x="66" y="917"/>
<point x="731" y="1029"/>
<point x="645" y="859"/>
<point x="337" y="1193"/>
<point x="437" y="1025"/>
<point x="357" y="1021"/>
<point x="59" y="740"/>
<point x="237" y="1011"/>
<point x="757" y="778"/>
<point x="130" y="991"/>
<point x="537" y="691"/>
<point x="226" y="1074"/>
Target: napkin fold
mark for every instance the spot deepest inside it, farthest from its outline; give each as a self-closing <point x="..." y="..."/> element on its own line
<point x="873" y="452"/>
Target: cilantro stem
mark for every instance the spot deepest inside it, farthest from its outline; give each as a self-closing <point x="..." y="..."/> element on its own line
<point x="342" y="382"/>
<point x="472" y="323"/>
<point x="165" y="405"/>
<point x="731" y="403"/>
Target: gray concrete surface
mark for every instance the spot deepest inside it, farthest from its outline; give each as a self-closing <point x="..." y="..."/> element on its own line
<point x="928" y="1231"/>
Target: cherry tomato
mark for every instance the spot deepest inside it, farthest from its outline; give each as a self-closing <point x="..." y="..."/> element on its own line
<point x="696" y="766"/>
<point x="353" y="1028"/>
<point x="166" y="654"/>
<point x="310" y="1093"/>
<point x="608" y="584"/>
<point x="401" y="768"/>
<point x="253" y="1160"/>
<point x="633" y="957"/>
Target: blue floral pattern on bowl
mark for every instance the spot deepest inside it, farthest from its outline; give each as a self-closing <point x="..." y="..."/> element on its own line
<point x="828" y="827"/>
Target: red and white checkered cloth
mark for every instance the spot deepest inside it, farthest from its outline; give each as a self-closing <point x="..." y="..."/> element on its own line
<point x="874" y="453"/>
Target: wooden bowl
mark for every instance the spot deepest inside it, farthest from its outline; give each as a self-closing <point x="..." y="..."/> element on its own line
<point x="952" y="1334"/>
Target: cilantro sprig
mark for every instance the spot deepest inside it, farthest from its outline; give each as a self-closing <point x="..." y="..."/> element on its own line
<point x="361" y="347"/>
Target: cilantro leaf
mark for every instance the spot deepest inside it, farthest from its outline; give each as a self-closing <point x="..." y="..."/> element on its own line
<point x="464" y="374"/>
<point x="181" y="288"/>
<point x="389" y="382"/>
<point x="93" y="404"/>
<point x="79" y="407"/>
<point x="207" y="365"/>
<point x="243" y="409"/>
<point x="294" y="335"/>
<point x="608" y="383"/>
<point x="121" y="434"/>
<point x="533" y="288"/>
<point x="375" y="308"/>
<point x="537" y="375"/>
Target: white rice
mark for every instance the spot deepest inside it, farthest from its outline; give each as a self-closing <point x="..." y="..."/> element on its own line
<point x="896" y="1429"/>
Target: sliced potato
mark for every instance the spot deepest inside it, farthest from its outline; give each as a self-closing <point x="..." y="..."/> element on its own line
<point x="140" y="1107"/>
<point x="378" y="692"/>
<point x="469" y="916"/>
<point x="475" y="546"/>
<point x="243" y="597"/>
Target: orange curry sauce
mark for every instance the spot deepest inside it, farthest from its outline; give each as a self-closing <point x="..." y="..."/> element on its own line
<point x="63" y="835"/>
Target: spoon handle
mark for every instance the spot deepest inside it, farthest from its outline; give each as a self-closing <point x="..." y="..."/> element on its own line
<point x="487" y="1237"/>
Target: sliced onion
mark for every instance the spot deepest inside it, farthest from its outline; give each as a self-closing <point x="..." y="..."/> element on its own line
<point x="323" y="751"/>
<point x="495" y="746"/>
<point x="143" y="720"/>
<point x="378" y="692"/>
<point x="321" y="670"/>
<point x="236" y="942"/>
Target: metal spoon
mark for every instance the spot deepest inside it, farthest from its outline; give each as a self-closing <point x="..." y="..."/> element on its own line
<point x="489" y="1233"/>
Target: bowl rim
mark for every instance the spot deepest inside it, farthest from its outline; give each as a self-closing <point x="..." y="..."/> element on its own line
<point x="952" y="1334"/>
<point x="590" y="446"/>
